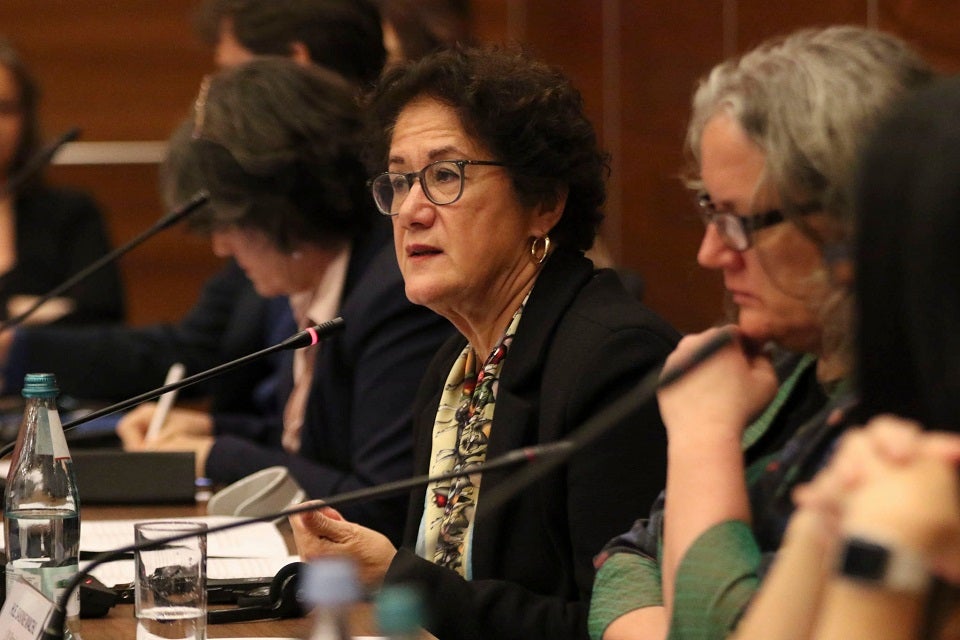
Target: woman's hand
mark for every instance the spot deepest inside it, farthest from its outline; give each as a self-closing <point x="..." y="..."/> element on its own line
<point x="719" y="397"/>
<point x="324" y="532"/>
<point x="891" y="479"/>
<point x="184" y="430"/>
<point x="132" y="429"/>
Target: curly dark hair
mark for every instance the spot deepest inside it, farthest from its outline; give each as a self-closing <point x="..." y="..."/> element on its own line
<point x="278" y="147"/>
<point x="525" y="112"/>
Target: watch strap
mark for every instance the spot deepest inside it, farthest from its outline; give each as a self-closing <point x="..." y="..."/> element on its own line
<point x="889" y="565"/>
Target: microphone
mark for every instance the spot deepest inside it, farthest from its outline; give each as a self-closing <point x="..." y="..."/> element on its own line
<point x="305" y="338"/>
<point x="541" y="459"/>
<point x="511" y="458"/>
<point x="168" y="220"/>
<point x="37" y="162"/>
<point x="612" y="415"/>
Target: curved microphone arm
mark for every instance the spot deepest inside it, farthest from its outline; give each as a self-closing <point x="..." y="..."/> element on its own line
<point x="304" y="338"/>
<point x="612" y="415"/>
<point x="542" y="458"/>
<point x="54" y="628"/>
<point x="38" y="161"/>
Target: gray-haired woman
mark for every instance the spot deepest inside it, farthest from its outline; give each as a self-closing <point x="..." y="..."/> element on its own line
<point x="774" y="137"/>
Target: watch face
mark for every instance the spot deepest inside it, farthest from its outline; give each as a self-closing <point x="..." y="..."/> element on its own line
<point x="863" y="559"/>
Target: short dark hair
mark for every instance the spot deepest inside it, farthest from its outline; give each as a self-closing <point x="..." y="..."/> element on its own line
<point x="425" y="26"/>
<point x="277" y="145"/>
<point x="907" y="262"/>
<point x="525" y="112"/>
<point x="342" y="35"/>
<point x="30" y="135"/>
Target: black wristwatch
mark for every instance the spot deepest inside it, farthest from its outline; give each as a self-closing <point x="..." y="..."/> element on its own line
<point x="888" y="566"/>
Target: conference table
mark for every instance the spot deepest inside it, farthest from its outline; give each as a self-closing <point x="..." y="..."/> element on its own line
<point x="121" y="624"/>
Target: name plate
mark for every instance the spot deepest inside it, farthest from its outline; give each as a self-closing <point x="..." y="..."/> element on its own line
<point x="25" y="612"/>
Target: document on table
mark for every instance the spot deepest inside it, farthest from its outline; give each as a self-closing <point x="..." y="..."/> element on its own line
<point x="255" y="550"/>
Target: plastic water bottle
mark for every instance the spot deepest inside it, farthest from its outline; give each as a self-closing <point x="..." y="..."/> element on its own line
<point x="41" y="514"/>
<point x="400" y="614"/>
<point x="331" y="585"/>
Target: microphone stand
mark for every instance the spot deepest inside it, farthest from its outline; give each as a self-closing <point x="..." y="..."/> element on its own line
<point x="38" y="161"/>
<point x="304" y="338"/>
<point x="542" y="458"/>
<point x="547" y="451"/>
<point x="612" y="415"/>
<point x="171" y="218"/>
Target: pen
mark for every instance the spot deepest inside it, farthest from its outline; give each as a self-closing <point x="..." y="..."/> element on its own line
<point x="175" y="374"/>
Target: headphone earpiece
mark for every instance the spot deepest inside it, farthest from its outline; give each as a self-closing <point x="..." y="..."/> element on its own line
<point x="282" y="601"/>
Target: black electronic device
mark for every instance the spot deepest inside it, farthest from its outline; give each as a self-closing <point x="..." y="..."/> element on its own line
<point x="282" y="600"/>
<point x="96" y="598"/>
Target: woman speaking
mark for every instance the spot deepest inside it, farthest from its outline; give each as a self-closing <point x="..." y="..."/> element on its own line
<point x="494" y="184"/>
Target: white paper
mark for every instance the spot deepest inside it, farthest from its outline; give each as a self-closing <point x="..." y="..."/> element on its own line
<point x="255" y="540"/>
<point x="25" y="613"/>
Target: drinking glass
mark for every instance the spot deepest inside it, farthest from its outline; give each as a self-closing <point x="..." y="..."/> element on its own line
<point x="171" y="581"/>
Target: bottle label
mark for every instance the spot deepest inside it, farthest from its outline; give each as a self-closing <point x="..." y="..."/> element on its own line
<point x="50" y="438"/>
<point x="50" y="581"/>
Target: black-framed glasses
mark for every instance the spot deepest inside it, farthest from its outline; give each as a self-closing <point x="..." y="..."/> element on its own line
<point x="441" y="181"/>
<point x="737" y="231"/>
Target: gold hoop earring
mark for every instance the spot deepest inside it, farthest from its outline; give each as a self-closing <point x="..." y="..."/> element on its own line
<point x="539" y="248"/>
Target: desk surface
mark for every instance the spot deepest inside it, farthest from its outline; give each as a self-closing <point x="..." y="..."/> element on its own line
<point x="121" y="624"/>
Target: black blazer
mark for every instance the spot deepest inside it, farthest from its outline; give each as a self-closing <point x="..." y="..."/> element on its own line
<point x="59" y="232"/>
<point x="357" y="428"/>
<point x="113" y="363"/>
<point x="583" y="341"/>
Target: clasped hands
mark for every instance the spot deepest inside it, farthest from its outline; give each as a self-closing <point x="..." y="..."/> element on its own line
<point x="892" y="480"/>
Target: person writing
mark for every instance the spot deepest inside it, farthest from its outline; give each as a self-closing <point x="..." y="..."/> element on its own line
<point x="494" y="185"/>
<point x="773" y="135"/>
<point x="276" y="144"/>
<point x="229" y="319"/>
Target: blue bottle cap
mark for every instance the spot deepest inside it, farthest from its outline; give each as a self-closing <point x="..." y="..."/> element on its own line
<point x="40" y="385"/>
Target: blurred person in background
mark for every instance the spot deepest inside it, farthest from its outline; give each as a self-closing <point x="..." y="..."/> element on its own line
<point x="415" y="28"/>
<point x="230" y="319"/>
<point x="47" y="234"/>
<point x="277" y="146"/>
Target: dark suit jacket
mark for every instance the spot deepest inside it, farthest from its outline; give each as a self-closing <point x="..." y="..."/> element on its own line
<point x="113" y="363"/>
<point x="583" y="341"/>
<point x="60" y="232"/>
<point x="357" y="429"/>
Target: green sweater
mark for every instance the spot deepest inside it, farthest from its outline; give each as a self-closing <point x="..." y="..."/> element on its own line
<point x="721" y="571"/>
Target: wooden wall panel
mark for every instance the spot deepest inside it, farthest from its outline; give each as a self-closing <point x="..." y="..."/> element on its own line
<point x="121" y="70"/>
<point x="758" y="20"/>
<point x="660" y="228"/>
<point x="128" y="70"/>
<point x="163" y="275"/>
<point x="932" y="26"/>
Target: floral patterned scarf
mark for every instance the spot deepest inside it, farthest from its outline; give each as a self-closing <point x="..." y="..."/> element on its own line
<point x="460" y="436"/>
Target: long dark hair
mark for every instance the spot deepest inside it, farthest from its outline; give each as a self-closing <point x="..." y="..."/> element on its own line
<point x="908" y="263"/>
